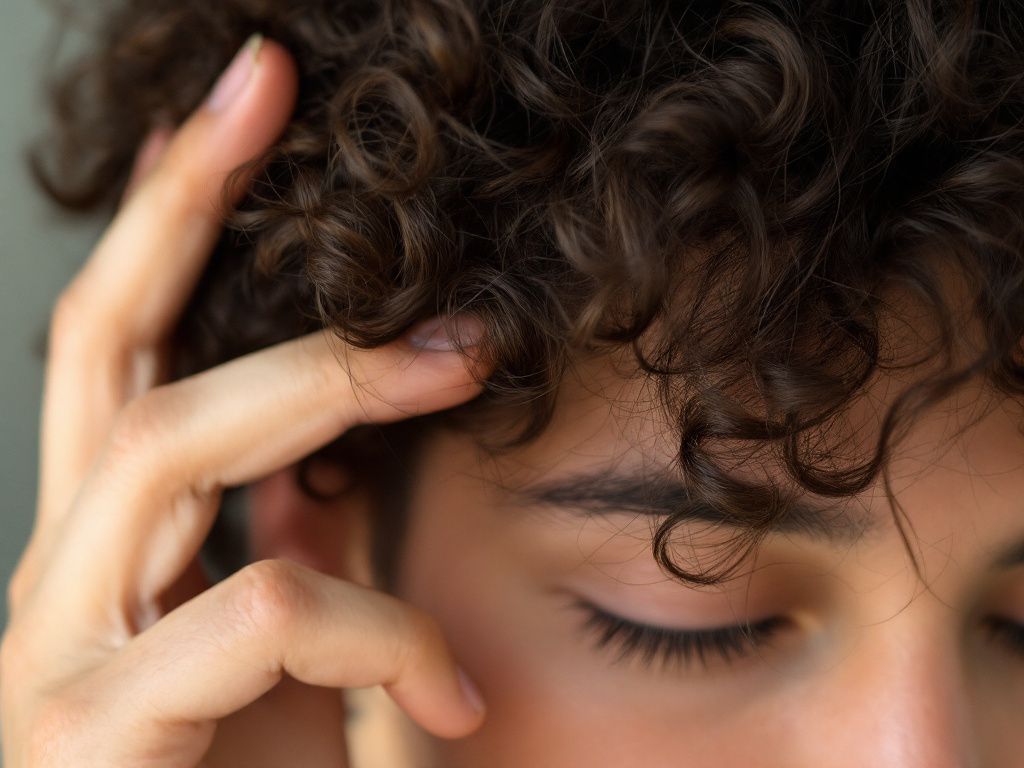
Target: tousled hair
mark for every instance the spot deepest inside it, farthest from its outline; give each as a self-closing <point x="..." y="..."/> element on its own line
<point x="731" y="190"/>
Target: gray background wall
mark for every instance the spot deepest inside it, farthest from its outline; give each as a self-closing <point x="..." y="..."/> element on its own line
<point x="39" y="251"/>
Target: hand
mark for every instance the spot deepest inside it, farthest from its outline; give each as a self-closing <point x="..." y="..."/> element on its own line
<point x="97" y="666"/>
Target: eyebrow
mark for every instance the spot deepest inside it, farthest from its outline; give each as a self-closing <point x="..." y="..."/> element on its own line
<point x="606" y="493"/>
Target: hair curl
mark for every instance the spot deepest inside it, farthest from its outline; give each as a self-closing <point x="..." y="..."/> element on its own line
<point x="727" y="188"/>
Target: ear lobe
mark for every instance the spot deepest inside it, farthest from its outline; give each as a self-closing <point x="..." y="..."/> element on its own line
<point x="330" y="536"/>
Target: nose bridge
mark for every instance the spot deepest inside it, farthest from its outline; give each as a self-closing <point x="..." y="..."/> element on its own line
<point x="897" y="697"/>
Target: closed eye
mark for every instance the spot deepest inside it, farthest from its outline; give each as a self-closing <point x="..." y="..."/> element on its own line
<point x="673" y="648"/>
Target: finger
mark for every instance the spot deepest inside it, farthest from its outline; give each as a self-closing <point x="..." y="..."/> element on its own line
<point x="156" y="246"/>
<point x="154" y="491"/>
<point x="112" y="318"/>
<point x="146" y="158"/>
<point x="234" y="642"/>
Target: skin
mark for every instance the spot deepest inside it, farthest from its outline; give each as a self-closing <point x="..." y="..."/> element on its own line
<point x="876" y="669"/>
<point x="875" y="666"/>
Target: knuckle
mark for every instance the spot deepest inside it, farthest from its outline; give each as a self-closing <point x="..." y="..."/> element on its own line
<point x="68" y="319"/>
<point x="12" y="653"/>
<point x="66" y="310"/>
<point x="17" y="588"/>
<point x="26" y="573"/>
<point x="269" y="595"/>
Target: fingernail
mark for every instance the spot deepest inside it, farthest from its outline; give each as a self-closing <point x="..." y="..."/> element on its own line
<point x="233" y="79"/>
<point x="470" y="691"/>
<point x="436" y="333"/>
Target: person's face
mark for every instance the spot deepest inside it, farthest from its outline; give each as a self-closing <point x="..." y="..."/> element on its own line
<point x="869" y="667"/>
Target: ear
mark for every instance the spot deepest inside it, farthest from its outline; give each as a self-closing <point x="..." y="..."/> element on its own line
<point x="329" y="536"/>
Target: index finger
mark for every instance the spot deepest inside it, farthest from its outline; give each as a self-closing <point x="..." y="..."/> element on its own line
<point x="235" y="641"/>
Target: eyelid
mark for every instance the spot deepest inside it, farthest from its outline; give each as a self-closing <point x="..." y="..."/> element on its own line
<point x="676" y="647"/>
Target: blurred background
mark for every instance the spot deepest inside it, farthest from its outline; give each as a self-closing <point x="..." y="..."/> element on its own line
<point x="39" y="251"/>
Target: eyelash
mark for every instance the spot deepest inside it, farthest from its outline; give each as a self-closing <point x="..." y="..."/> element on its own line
<point x="676" y="647"/>
<point x="650" y="644"/>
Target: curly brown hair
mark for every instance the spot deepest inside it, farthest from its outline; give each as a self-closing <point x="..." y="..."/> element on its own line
<point x="729" y="189"/>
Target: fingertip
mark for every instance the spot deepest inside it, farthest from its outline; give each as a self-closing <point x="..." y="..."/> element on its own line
<point x="471" y="709"/>
<point x="462" y="336"/>
<point x="246" y="111"/>
<point x="277" y="75"/>
<point x="438" y="334"/>
<point x="261" y="66"/>
<point x="456" y="716"/>
<point x="471" y="693"/>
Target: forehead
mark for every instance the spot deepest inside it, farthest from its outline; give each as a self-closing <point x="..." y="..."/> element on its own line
<point x="957" y="474"/>
<point x="607" y="408"/>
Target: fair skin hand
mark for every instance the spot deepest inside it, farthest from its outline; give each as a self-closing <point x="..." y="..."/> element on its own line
<point x="118" y="652"/>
